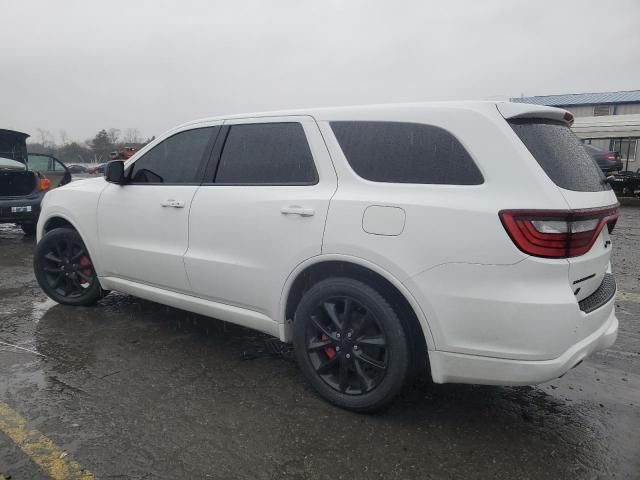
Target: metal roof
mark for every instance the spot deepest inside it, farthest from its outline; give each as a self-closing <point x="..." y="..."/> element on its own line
<point x="631" y="96"/>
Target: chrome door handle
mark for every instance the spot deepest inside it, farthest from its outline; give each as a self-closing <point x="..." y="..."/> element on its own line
<point x="173" y="203"/>
<point x="295" y="210"/>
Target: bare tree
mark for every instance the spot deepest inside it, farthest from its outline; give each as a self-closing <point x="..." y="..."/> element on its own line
<point x="132" y="135"/>
<point x="114" y="135"/>
<point x="45" y="138"/>
<point x="64" y="136"/>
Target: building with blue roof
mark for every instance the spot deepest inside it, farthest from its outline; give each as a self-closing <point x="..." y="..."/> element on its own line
<point x="607" y="120"/>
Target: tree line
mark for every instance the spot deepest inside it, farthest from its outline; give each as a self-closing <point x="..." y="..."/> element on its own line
<point x="94" y="150"/>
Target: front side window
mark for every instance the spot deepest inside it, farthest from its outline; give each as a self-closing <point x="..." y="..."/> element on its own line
<point x="178" y="159"/>
<point x="398" y="152"/>
<point x="266" y="154"/>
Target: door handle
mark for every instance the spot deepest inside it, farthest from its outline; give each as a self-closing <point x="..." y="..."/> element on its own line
<point x="173" y="203"/>
<point x="295" y="210"/>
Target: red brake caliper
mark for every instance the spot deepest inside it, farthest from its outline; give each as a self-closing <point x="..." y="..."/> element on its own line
<point x="330" y="351"/>
<point x="86" y="263"/>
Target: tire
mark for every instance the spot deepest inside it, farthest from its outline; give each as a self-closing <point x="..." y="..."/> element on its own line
<point x="29" y="229"/>
<point x="351" y="345"/>
<point x="64" y="269"/>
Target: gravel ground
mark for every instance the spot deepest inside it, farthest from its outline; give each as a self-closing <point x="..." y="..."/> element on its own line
<point x="133" y="389"/>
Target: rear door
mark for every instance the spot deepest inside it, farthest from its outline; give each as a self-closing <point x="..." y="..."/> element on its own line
<point x="577" y="175"/>
<point x="143" y="226"/>
<point x="261" y="212"/>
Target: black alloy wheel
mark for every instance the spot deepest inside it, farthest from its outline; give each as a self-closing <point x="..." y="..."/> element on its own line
<point x="350" y="344"/>
<point x="64" y="269"/>
<point x="346" y="346"/>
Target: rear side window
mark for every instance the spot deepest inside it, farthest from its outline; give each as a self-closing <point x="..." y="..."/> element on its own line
<point x="396" y="152"/>
<point x="560" y="154"/>
<point x="178" y="159"/>
<point x="266" y="154"/>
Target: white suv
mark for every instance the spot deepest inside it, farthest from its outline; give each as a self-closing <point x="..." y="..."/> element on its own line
<point x="469" y="239"/>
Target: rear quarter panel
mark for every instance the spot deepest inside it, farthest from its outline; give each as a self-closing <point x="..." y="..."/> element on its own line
<point x="444" y="223"/>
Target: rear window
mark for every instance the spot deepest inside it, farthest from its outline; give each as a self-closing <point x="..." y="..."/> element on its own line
<point x="560" y="154"/>
<point x="397" y="152"/>
<point x="13" y="147"/>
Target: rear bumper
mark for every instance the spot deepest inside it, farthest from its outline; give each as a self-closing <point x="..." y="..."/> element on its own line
<point x="459" y="368"/>
<point x="7" y="216"/>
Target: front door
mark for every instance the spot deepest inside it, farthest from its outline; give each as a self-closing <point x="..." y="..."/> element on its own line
<point x="143" y="225"/>
<point x="262" y="214"/>
<point x="51" y="168"/>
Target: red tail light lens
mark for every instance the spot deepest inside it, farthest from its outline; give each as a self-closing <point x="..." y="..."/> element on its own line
<point x="610" y="157"/>
<point x="568" y="117"/>
<point x="557" y="233"/>
<point x="45" y="184"/>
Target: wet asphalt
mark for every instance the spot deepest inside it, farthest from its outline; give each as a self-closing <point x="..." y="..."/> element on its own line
<point x="132" y="389"/>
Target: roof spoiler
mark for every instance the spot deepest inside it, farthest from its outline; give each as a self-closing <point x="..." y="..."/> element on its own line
<point x="511" y="110"/>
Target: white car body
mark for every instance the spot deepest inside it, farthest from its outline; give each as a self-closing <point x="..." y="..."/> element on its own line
<point x="489" y="312"/>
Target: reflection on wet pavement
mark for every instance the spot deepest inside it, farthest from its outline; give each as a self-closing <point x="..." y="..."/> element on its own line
<point x="133" y="389"/>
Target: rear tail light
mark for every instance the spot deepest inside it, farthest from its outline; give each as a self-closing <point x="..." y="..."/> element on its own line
<point x="568" y="117"/>
<point x="45" y="184"/>
<point x="557" y="233"/>
<point x="610" y="157"/>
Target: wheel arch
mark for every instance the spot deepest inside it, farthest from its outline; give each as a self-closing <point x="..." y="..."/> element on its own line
<point x="318" y="268"/>
<point x="60" y="220"/>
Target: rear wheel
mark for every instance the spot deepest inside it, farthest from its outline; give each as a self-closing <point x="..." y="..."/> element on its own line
<point x="28" y="228"/>
<point x="64" y="269"/>
<point x="351" y="345"/>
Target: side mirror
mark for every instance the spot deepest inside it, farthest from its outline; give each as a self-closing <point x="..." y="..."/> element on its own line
<point x="114" y="173"/>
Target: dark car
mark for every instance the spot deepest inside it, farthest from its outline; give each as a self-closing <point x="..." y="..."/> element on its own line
<point x="24" y="179"/>
<point x="77" y="168"/>
<point x="626" y="183"/>
<point x="607" y="161"/>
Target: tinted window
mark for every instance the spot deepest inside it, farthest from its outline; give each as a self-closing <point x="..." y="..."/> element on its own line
<point x="266" y="153"/>
<point x="13" y="146"/>
<point x="560" y="154"/>
<point x="178" y="159"/>
<point x="405" y="153"/>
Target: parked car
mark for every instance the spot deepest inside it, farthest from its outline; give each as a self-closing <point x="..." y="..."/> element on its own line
<point x="607" y="161"/>
<point x="98" y="169"/>
<point x="125" y="154"/>
<point x="77" y="168"/>
<point x="382" y="241"/>
<point x="24" y="179"/>
<point x="626" y="183"/>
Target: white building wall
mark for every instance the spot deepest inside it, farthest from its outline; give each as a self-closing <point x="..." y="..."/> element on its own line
<point x="628" y="109"/>
<point x="581" y="110"/>
<point x="587" y="110"/>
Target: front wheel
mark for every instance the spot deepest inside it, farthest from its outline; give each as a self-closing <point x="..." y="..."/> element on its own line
<point x="350" y="344"/>
<point x="64" y="269"/>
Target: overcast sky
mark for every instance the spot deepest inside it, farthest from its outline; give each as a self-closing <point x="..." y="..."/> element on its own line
<point x="88" y="64"/>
